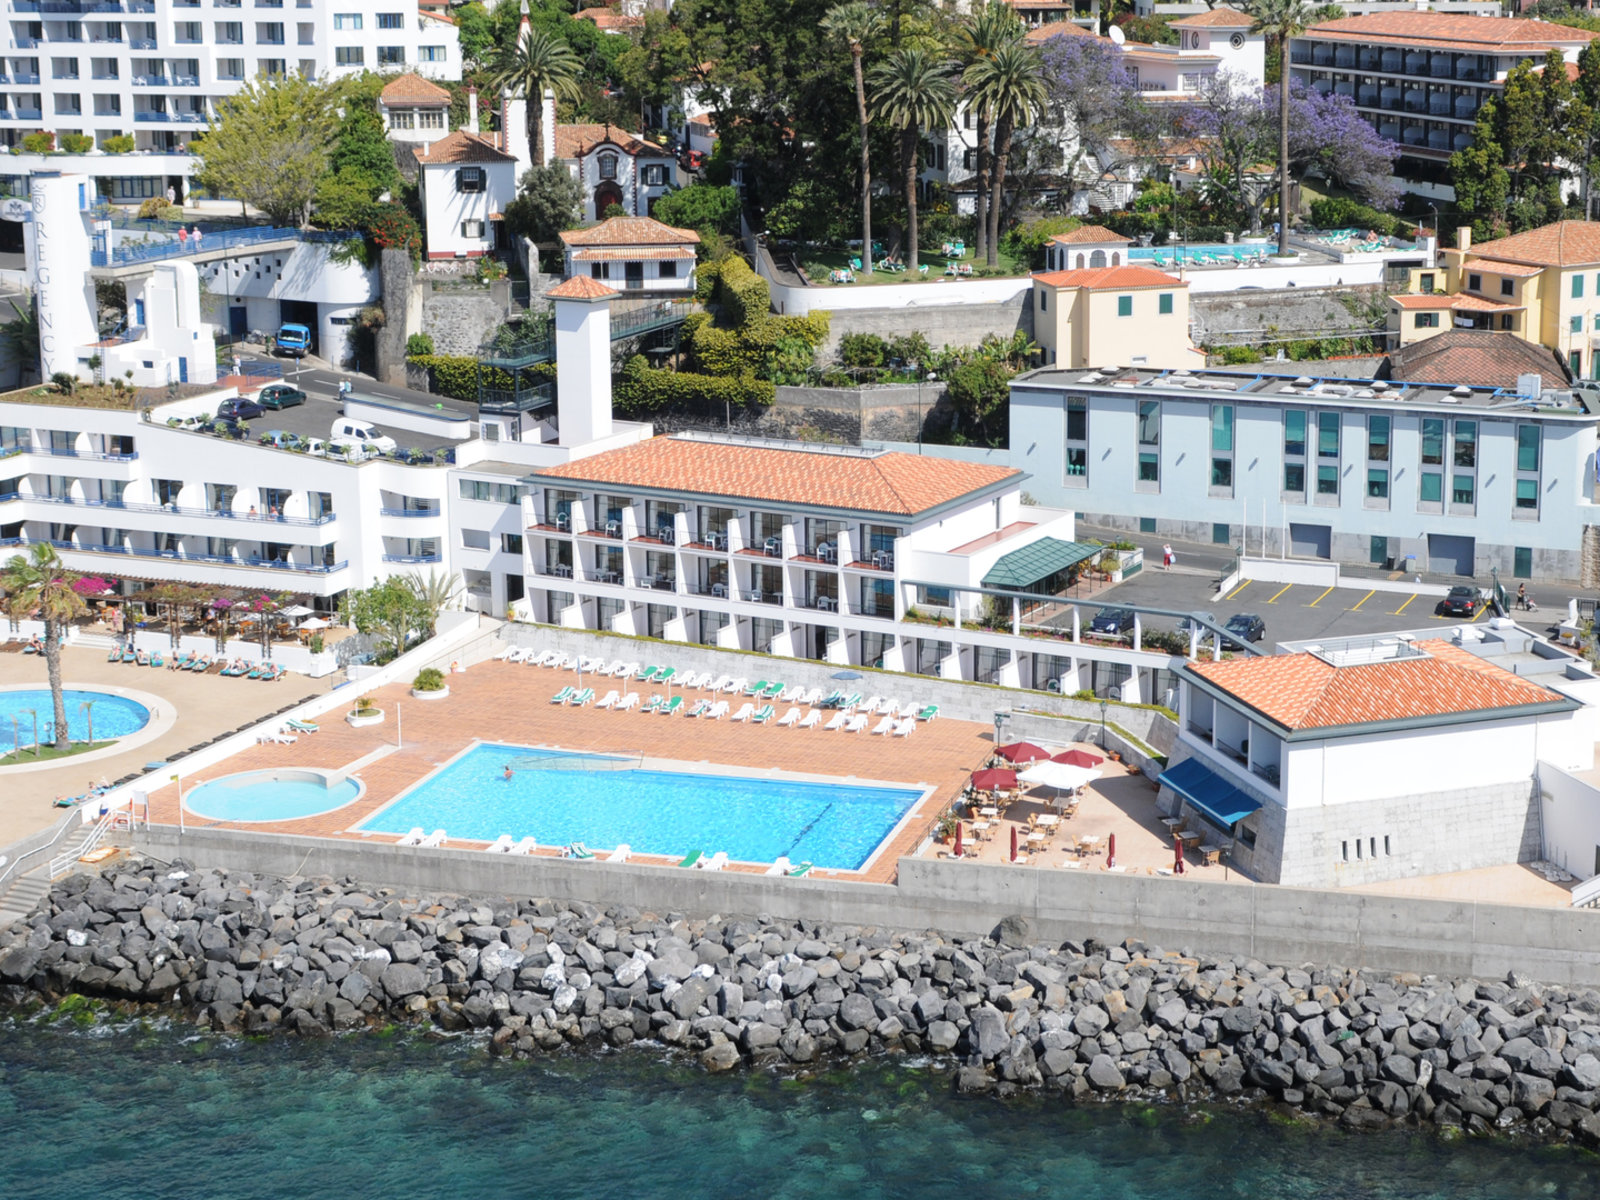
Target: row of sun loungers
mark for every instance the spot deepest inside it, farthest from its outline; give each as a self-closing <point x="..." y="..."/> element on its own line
<point x="696" y="859"/>
<point x="848" y="720"/>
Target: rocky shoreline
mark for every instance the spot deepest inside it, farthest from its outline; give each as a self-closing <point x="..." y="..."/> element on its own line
<point x="238" y="952"/>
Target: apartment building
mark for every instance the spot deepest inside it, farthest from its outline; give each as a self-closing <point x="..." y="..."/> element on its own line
<point x="154" y="69"/>
<point x="1420" y="77"/>
<point x="1434" y="477"/>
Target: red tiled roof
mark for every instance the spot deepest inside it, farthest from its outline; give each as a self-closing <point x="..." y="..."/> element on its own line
<point x="1450" y="31"/>
<point x="1497" y="267"/>
<point x="632" y="254"/>
<point x="1303" y="691"/>
<point x="608" y="18"/>
<point x="1562" y="244"/>
<point x="1090" y="235"/>
<point x="412" y="89"/>
<point x="1058" y="29"/>
<point x="1462" y="302"/>
<point x="1477" y="358"/>
<point x="581" y="287"/>
<point x="461" y="147"/>
<point x="574" y="141"/>
<point x="895" y="484"/>
<point x="630" y="231"/>
<point x="435" y="15"/>
<point x="1109" y="279"/>
<point x="1221" y="17"/>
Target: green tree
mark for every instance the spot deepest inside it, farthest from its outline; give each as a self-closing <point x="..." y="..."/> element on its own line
<point x="712" y="212"/>
<point x="1009" y="82"/>
<point x="855" y="23"/>
<point x="538" y="63"/>
<point x="434" y="593"/>
<point x="363" y="145"/>
<point x="389" y="611"/>
<point x="913" y="92"/>
<point x="1281" y="20"/>
<point x="1588" y="93"/>
<point x="476" y="30"/>
<point x="20" y="338"/>
<point x="344" y="200"/>
<point x="548" y="200"/>
<point x="660" y="62"/>
<point x="1510" y="178"/>
<point x="268" y="144"/>
<point x="977" y="38"/>
<point x="36" y="584"/>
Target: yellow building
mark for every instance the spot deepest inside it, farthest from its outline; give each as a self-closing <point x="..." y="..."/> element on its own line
<point x="1542" y="285"/>
<point x="1127" y="316"/>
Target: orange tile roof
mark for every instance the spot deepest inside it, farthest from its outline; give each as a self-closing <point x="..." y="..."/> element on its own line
<point x="1090" y="235"/>
<point x="433" y="15"/>
<point x="1303" y="691"/>
<point x="1562" y="244"/>
<point x="461" y="147"/>
<point x="1058" y="29"/>
<point x="630" y="231"/>
<point x="1497" y="267"/>
<point x="412" y="89"/>
<point x="608" y="18"/>
<point x="581" y="287"/>
<point x="574" y="141"/>
<point x="1221" y="17"/>
<point x="1108" y="279"/>
<point x="1462" y="301"/>
<point x="632" y="254"/>
<point x="894" y="484"/>
<point x="1477" y="358"/>
<point x="1450" y="30"/>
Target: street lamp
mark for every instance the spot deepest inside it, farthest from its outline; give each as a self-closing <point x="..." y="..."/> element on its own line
<point x="1104" y="745"/>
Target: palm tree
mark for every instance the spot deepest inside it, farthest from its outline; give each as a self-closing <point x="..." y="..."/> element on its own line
<point x="994" y="25"/>
<point x="1281" y="20"/>
<point x="434" y="593"/>
<point x="913" y="91"/>
<point x="539" y="62"/>
<point x="1010" y="83"/>
<point x="36" y="584"/>
<point x="854" y="23"/>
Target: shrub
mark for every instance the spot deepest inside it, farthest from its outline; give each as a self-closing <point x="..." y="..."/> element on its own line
<point x="1084" y="694"/>
<point x="743" y="295"/>
<point x="1235" y="355"/>
<point x="490" y="269"/>
<point x="1027" y="241"/>
<point x="39" y="143"/>
<point x="366" y="705"/>
<point x="316" y="643"/>
<point x="456" y="375"/>
<point x="429" y="679"/>
<point x="418" y="344"/>
<point x="77" y="143"/>
<point x="643" y="389"/>
<point x="117" y="143"/>
<point x="1336" y="212"/>
<point x="157" y="209"/>
<point x="707" y="276"/>
<point x="64" y="382"/>
<point x="393" y="228"/>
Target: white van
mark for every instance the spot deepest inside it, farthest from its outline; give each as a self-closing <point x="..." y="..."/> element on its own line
<point x="363" y="435"/>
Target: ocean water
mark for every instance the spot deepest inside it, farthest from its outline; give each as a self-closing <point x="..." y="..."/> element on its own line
<point x="161" y="1114"/>
<point x="835" y="825"/>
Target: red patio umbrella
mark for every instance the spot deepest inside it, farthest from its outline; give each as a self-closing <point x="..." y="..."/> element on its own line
<point x="1022" y="752"/>
<point x="1111" y="850"/>
<point x="992" y="779"/>
<point x="1013" y="843"/>
<point x="1078" y="758"/>
<point x="958" y="839"/>
<point x="1177" y="855"/>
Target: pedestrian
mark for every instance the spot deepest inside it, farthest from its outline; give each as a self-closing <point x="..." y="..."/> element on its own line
<point x="1166" y="557"/>
<point x="196" y="235"/>
<point x="172" y="196"/>
<point x="238" y="366"/>
<point x="183" y="238"/>
<point x="1522" y="595"/>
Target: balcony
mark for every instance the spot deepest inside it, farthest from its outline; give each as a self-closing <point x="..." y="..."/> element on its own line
<point x="408" y="512"/>
<point x="185" y="511"/>
<point x="185" y="556"/>
<point x="186" y="81"/>
<point x="140" y="43"/>
<point x="95" y="455"/>
<point x="25" y="77"/>
<point x="156" y="118"/>
<point x="150" y="81"/>
<point x="269" y="40"/>
<point x="25" y="114"/>
<point x="413" y="558"/>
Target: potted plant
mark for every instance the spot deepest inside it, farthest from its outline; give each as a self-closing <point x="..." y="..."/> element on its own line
<point x="316" y="643"/>
<point x="365" y="712"/>
<point x="946" y="829"/>
<point x="429" y="684"/>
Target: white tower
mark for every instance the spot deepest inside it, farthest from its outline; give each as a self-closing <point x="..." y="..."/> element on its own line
<point x="58" y="261"/>
<point x="583" y="360"/>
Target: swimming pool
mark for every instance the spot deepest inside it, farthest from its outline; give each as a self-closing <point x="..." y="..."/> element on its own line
<point x="285" y="794"/>
<point x="1198" y="253"/>
<point x="113" y="716"/>
<point x="836" y="826"/>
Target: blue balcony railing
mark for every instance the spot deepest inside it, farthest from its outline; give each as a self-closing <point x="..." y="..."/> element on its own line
<point x="229" y="240"/>
<point x="186" y="556"/>
<point x="413" y="558"/>
<point x="95" y="455"/>
<point x="408" y="512"/>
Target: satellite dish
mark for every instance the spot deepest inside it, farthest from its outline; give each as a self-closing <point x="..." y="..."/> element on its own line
<point x="1116" y="35"/>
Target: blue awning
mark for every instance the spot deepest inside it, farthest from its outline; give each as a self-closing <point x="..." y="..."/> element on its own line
<point x="1209" y="792"/>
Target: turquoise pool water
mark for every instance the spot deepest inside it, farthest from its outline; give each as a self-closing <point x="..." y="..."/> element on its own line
<point x="1190" y="253"/>
<point x="113" y="716"/>
<point x="834" y="825"/>
<point x="268" y="796"/>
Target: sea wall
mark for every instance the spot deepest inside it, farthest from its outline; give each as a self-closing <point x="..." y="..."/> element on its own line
<point x="236" y="951"/>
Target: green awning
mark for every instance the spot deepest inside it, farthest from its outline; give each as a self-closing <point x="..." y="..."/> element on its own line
<point x="1038" y="561"/>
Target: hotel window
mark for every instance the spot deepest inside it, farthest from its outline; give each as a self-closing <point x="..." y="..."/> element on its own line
<point x="1428" y="320"/>
<point x="1149" y="445"/>
<point x="1077" y="441"/>
<point x="1575" y="323"/>
<point x="472" y="230"/>
<point x="1527" y="496"/>
<point x="599" y="270"/>
<point x="1432" y="441"/>
<point x="1328" y="435"/>
<point x="391" y="21"/>
<point x="1528" y="448"/>
<point x="430" y="120"/>
<point x="1466" y="444"/>
<point x="349" y="56"/>
<point x="347" y="20"/>
<point x="1378" y="485"/>
<point x="1432" y="488"/>
<point x="1505" y="322"/>
<point x="1527" y="502"/>
<point x="430" y="54"/>
<point x="1378" y="439"/>
<point x="1508" y="288"/>
<point x="1164" y="303"/>
<point x="469" y="179"/>
<point x="1522" y="562"/>
<point x="1577" y="287"/>
<point x="1461" y="490"/>
<point x="1222" y="448"/>
<point x="608" y="166"/>
<point x="1124" y="306"/>
<point x="1327" y="481"/>
<point x="391" y="56"/>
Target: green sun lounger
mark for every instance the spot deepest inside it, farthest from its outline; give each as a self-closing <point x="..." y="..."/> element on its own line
<point x="563" y="696"/>
<point x="772" y="691"/>
<point x="665" y="674"/>
<point x="763" y="714"/>
<point x="652" y="705"/>
<point x="579" y="851"/>
<point x="302" y="726"/>
<point x="581" y="698"/>
<point x="853" y="699"/>
<point x="648" y="675"/>
<point x="692" y="859"/>
<point x="799" y="872"/>
<point x="928" y="713"/>
<point x="672" y="706"/>
<point x="699" y="709"/>
<point x="756" y="688"/>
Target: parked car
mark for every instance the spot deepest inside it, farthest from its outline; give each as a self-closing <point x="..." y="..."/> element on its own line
<point x="280" y="439"/>
<point x="314" y="446"/>
<point x="239" y="409"/>
<point x="363" y="434"/>
<point x="1244" y="627"/>
<point x="1462" y="601"/>
<point x="280" y="395"/>
<point x="228" y="427"/>
<point x="1112" y="620"/>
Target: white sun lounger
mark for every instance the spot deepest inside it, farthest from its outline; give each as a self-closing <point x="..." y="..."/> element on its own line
<point x="811" y="720"/>
<point x="626" y="670"/>
<point x="280" y="737"/>
<point x="609" y="700"/>
<point x="909" y="709"/>
<point x="888" y="707"/>
<point x="503" y="655"/>
<point x="812" y="696"/>
<point x="563" y="662"/>
<point x="717" y="711"/>
<point x="620" y="854"/>
<point x="905" y="728"/>
<point x="735" y="686"/>
<point x="721" y="684"/>
<point x="436" y="838"/>
<point x="592" y="665"/>
<point x="715" y="863"/>
<point x="744" y="713"/>
<point x="856" y="723"/>
<point x="501" y="845"/>
<point x="870" y="704"/>
<point x="837" y="721"/>
<point x="541" y="659"/>
<point x="790" y="718"/>
<point x="884" y="726"/>
<point x="631" y="700"/>
<point x="414" y="838"/>
<point x="780" y="866"/>
<point x="526" y="846"/>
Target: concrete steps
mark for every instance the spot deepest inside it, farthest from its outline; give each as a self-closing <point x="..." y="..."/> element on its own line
<point x="24" y="895"/>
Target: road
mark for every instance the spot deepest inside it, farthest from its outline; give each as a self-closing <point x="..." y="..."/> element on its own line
<point x="321" y="383"/>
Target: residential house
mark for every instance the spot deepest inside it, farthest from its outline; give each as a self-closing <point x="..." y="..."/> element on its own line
<point x="1122" y="314"/>
<point x="615" y="168"/>
<point x="414" y="109"/>
<point x="634" y="254"/>
<point x="466" y="182"/>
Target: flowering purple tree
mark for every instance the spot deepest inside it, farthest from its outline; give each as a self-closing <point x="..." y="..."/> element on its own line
<point x="1091" y="97"/>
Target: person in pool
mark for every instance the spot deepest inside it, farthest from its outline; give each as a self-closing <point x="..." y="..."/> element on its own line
<point x="508" y="772"/>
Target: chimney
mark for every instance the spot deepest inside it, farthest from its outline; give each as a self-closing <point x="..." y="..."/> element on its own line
<point x="1464" y="238"/>
<point x="472" y="110"/>
<point x="583" y="360"/>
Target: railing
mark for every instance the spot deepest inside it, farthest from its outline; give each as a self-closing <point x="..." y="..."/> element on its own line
<point x="408" y="512"/>
<point x="62" y="863"/>
<point x="13" y="869"/>
<point x="96" y="455"/>
<point x="182" y="511"/>
<point x="413" y="558"/>
<point x="1584" y="895"/>
<point x="233" y="239"/>
<point x="186" y="556"/>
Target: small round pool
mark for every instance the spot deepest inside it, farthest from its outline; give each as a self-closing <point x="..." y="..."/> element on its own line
<point x="284" y="794"/>
<point x="112" y="716"/>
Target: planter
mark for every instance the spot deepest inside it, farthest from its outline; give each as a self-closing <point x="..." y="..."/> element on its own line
<point x="375" y="717"/>
<point x="434" y="694"/>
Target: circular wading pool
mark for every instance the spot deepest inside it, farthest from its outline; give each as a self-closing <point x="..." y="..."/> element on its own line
<point x="284" y="794"/>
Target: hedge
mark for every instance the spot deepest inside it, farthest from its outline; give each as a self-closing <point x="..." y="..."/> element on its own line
<point x="743" y="295"/>
<point x="1337" y="212"/>
<point x="456" y="375"/>
<point x="643" y="389"/>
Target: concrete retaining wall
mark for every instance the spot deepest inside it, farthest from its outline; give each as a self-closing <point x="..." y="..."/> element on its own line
<point x="461" y="321"/>
<point x="956" y="324"/>
<point x="853" y="414"/>
<point x="1276" y="925"/>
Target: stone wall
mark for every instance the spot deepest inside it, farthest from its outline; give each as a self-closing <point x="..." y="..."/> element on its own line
<point x="461" y="319"/>
<point x="1248" y="317"/>
<point x="942" y="324"/>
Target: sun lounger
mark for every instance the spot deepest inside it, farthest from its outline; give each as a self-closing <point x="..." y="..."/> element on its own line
<point x="436" y="838"/>
<point x="501" y="845"/>
<point x="302" y="726"/>
<point x="648" y="675"/>
<point x="692" y="859"/>
<point x="609" y="700"/>
<point x="716" y="862"/>
<point x="564" y="695"/>
<point x="631" y="700"/>
<point x="780" y="866"/>
<point x="701" y="707"/>
<point x="888" y="707"/>
<point x="582" y="698"/>
<point x="563" y="662"/>
<point x="665" y="674"/>
<point x="505" y="653"/>
<point x="811" y="720"/>
<point x="909" y="709"/>
<point x="626" y="670"/>
<point x="578" y="851"/>
<point x="837" y="721"/>
<point x="756" y="688"/>
<point x="744" y="713"/>
<point x="811" y="697"/>
<point x="831" y="700"/>
<point x="870" y="704"/>
<point x="735" y="686"/>
<point x="799" y="872"/>
<point x="414" y="838"/>
<point x="280" y="738"/>
<point x="673" y="706"/>
<point x="884" y="726"/>
<point x="717" y="711"/>
<point x="538" y="658"/>
<point x="763" y="714"/>
<point x="856" y="723"/>
<point x="928" y="713"/>
<point x="654" y="703"/>
<point x="791" y="717"/>
<point x="620" y="854"/>
<point x="851" y="701"/>
<point x="592" y="665"/>
<point x="773" y="691"/>
<point x="721" y="684"/>
<point x="905" y="728"/>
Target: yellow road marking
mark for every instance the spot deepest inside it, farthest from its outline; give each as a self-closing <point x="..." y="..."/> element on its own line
<point x="1237" y="590"/>
<point x="1280" y="592"/>
<point x="1357" y="605"/>
<point x="1319" y="599"/>
<point x="1402" y="608"/>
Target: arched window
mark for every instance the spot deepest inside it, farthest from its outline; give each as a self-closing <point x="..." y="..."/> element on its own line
<point x="608" y="166"/>
<point x="1080" y="262"/>
<point x="1116" y="258"/>
<point x="1097" y="259"/>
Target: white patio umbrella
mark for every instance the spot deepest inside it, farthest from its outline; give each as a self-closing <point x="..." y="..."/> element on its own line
<point x="318" y="623"/>
<point x="1062" y="776"/>
<point x="296" y="610"/>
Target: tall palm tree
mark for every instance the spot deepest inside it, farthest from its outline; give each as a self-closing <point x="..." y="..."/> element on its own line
<point x="913" y="91"/>
<point x="539" y="62"/>
<point x="1010" y="82"/>
<point x="994" y="25"/>
<point x="36" y="584"/>
<point x="854" y="23"/>
<point x="1281" y="20"/>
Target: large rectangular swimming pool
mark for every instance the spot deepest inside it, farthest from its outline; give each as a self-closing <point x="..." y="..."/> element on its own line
<point x="558" y="797"/>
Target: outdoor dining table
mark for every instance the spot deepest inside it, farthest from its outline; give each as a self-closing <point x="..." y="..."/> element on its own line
<point x="989" y="811"/>
<point x="980" y="830"/>
<point x="1089" y="843"/>
<point x="1049" y="822"/>
<point x="1190" y="838"/>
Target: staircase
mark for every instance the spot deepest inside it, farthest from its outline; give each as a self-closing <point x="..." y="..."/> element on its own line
<point x="23" y="896"/>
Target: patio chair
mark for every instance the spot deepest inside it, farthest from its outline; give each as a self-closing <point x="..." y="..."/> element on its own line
<point x="780" y="866"/>
<point x="905" y="728"/>
<point x="870" y="704"/>
<point x="717" y="711"/>
<point x="721" y="684"/>
<point x="578" y="851"/>
<point x="665" y="674"/>
<point x="811" y="720"/>
<point x="302" y="726"/>
<point x="884" y="726"/>
<point x="837" y="721"/>
<point x="631" y="700"/>
<point x="744" y="713"/>
<point x="701" y="707"/>
<point x="773" y="691"/>
<point x="501" y="845"/>
<point x="648" y="675"/>
<point x="763" y="714"/>
<point x="799" y="872"/>
<point x="856" y="723"/>
<point x="735" y="686"/>
<point x="756" y="688"/>
<point x="653" y="704"/>
<point x="928" y="713"/>
<point x="715" y="863"/>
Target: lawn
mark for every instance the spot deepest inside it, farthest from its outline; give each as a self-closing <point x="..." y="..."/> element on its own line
<point x="48" y="751"/>
<point x="819" y="262"/>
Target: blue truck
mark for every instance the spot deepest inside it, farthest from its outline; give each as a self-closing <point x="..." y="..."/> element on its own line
<point x="294" y="340"/>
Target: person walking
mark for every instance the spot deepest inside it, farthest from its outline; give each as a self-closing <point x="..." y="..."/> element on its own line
<point x="1522" y="595"/>
<point x="1167" y="557"/>
<point x="183" y="239"/>
<point x="196" y="234"/>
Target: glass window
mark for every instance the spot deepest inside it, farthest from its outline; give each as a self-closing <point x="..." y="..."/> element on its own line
<point x="1328" y="435"/>
<point x="1466" y="444"/>
<point x="1222" y="427"/>
<point x="1577" y="287"/>
<point x="347" y="20"/>
<point x="608" y="166"/>
<point x="1164" y="303"/>
<point x="1077" y="462"/>
<point x="1219" y="533"/>
<point x="1527" y="447"/>
<point x="1378" y="439"/>
<point x="1432" y="487"/>
<point x="1147" y="524"/>
<point x="1425" y="320"/>
<point x="1149" y="423"/>
<point x="1124" y="306"/>
<point x="1377" y="484"/>
<point x="1474" y="283"/>
<point x="1575" y="363"/>
<point x="391" y="21"/>
<point x="1576" y="324"/>
<point x="391" y="56"/>
<point x="1507" y="288"/>
<point x="1461" y="489"/>
<point x="1294" y="477"/>
<point x="1077" y="419"/>
<point x="1327" y="481"/>
<point x="1294" y="432"/>
<point x="1222" y="472"/>
<point x="1433" y="440"/>
<point x="1149" y="467"/>
<point x="349" y="56"/>
<point x="469" y="179"/>
<point x="1527" y="493"/>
